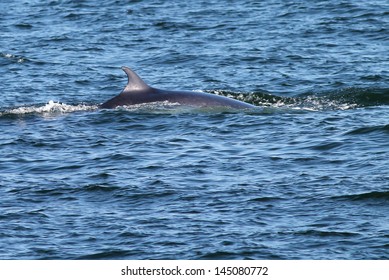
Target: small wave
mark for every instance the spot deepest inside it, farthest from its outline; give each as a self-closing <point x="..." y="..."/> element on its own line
<point x="51" y="108"/>
<point x="100" y="188"/>
<point x="359" y="97"/>
<point x="383" y="195"/>
<point x="105" y="255"/>
<point x="322" y="233"/>
<point x="311" y="102"/>
<point x="344" y="99"/>
<point x="13" y="57"/>
<point x="369" y="129"/>
<point x="10" y="58"/>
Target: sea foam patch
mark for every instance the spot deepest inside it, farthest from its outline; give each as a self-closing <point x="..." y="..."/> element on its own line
<point x="51" y="107"/>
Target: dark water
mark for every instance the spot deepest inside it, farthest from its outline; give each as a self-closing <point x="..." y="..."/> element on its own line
<point x="303" y="177"/>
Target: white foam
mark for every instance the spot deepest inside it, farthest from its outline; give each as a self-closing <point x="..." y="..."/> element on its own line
<point x="19" y="59"/>
<point x="51" y="107"/>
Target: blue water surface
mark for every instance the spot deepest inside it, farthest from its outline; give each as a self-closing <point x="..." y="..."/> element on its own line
<point x="304" y="176"/>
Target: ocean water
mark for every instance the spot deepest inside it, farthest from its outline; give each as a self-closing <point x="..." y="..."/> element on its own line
<point x="304" y="176"/>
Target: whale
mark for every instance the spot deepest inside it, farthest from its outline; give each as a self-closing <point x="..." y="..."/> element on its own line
<point x="138" y="92"/>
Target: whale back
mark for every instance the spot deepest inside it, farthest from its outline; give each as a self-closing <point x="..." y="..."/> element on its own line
<point x="138" y="92"/>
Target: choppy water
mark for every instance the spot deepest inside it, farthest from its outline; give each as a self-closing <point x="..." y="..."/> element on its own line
<point x="304" y="176"/>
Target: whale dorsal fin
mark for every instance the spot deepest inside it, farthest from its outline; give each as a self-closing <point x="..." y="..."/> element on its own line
<point x="135" y="83"/>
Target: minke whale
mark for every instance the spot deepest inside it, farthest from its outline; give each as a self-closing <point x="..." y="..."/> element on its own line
<point x="138" y="92"/>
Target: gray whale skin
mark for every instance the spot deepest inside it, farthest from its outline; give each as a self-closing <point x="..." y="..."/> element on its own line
<point x="138" y="92"/>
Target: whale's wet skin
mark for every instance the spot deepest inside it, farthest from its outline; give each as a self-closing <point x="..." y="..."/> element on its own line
<point x="303" y="175"/>
<point x="138" y="92"/>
